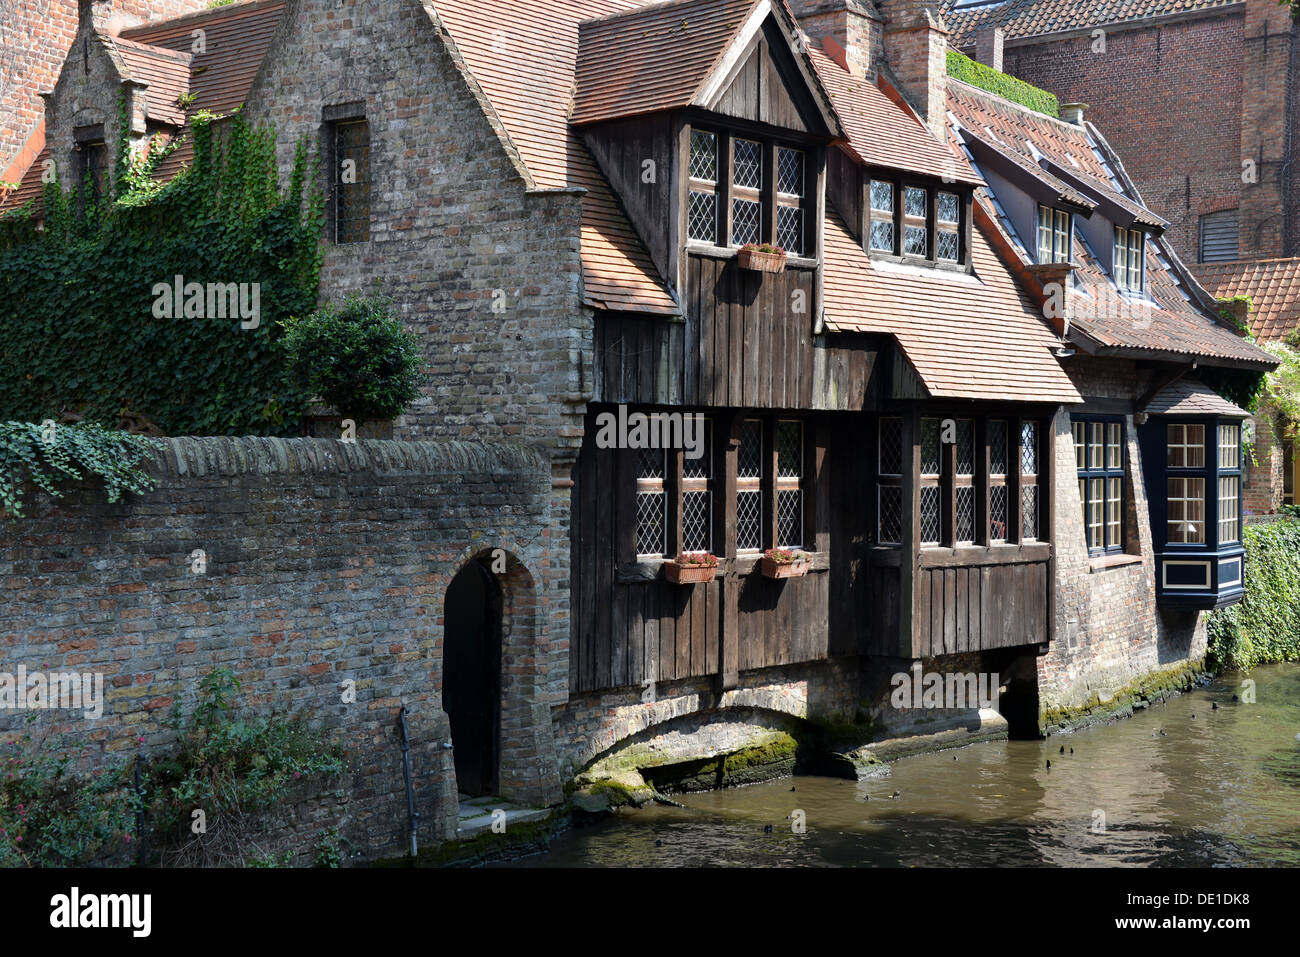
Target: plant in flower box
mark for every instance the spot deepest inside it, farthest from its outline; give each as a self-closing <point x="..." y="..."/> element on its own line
<point x="761" y="257"/>
<point x="688" y="568"/>
<point x="785" y="563"/>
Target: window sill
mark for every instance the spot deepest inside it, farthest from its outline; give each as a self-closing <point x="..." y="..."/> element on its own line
<point x="1103" y="562"/>
<point x="651" y="569"/>
<point x="729" y="252"/>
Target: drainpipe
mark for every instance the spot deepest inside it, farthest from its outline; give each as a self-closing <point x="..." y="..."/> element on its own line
<point x="410" y="790"/>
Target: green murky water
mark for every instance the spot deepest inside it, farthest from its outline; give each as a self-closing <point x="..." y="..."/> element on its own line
<point x="1217" y="788"/>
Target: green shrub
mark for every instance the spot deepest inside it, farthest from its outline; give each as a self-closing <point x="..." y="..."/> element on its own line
<point x="50" y="817"/>
<point x="977" y="74"/>
<point x="1265" y="626"/>
<point x="84" y="302"/>
<point x="47" y="454"/>
<point x="234" y="770"/>
<point x="357" y="357"/>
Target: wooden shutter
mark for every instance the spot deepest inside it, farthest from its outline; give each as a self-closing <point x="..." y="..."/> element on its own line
<point x="1219" y="237"/>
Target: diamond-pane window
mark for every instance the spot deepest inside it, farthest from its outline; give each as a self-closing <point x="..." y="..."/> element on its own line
<point x="650" y="463"/>
<point x="789" y="228"/>
<point x="703" y="217"/>
<point x="947" y="210"/>
<point x="748" y="159"/>
<point x="789" y="518"/>
<point x="696" y="521"/>
<point x="965" y="447"/>
<point x="930" y="498"/>
<point x="704" y="155"/>
<point x="789" y="171"/>
<point x="1029" y="512"/>
<point x="997" y="447"/>
<point x="749" y="495"/>
<point x="945" y="245"/>
<point x="891" y="446"/>
<point x="650" y="523"/>
<point x="882" y="235"/>
<point x="998" y="512"/>
<point x="745" y="221"/>
<point x="914" y="240"/>
<point x="890" y="515"/>
<point x="352" y="193"/>
<point x="789" y="449"/>
<point x="882" y="196"/>
<point x="929" y="446"/>
<point x="965" y="513"/>
<point x="914" y="202"/>
<point x="749" y="520"/>
<point x="1029" y="448"/>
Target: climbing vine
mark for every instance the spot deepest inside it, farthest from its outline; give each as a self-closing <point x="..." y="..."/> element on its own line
<point x="162" y="303"/>
<point x="1265" y="625"/>
<point x="45" y="455"/>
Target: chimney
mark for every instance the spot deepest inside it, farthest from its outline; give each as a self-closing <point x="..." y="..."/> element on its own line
<point x="988" y="46"/>
<point x="849" y="31"/>
<point x="916" y="53"/>
<point x="1073" y="112"/>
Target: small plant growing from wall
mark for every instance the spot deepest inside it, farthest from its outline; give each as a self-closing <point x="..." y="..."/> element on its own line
<point x="357" y="357"/>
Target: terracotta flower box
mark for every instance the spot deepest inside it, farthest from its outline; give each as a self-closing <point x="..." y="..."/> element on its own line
<point x="761" y="258"/>
<point x="782" y="563"/>
<point x="691" y="569"/>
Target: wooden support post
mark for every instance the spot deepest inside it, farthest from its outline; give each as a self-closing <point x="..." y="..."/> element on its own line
<point x="909" y="625"/>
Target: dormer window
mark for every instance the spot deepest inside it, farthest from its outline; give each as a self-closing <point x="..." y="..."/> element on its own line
<point x="1053" y="235"/>
<point x="915" y="222"/>
<point x="882" y="216"/>
<point x="1129" y="259"/>
<point x="745" y="189"/>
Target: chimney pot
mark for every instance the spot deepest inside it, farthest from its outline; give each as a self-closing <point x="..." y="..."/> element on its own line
<point x="1073" y="112"/>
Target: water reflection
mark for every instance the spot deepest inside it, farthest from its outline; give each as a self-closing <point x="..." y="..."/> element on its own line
<point x="1183" y="784"/>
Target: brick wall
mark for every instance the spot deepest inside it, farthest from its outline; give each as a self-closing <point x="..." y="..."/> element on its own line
<point x="1110" y="634"/>
<point x="1168" y="99"/>
<point x="325" y="562"/>
<point x="35" y="37"/>
<point x="1263" y="487"/>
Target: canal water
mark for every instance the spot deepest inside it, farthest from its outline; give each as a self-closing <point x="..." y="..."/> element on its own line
<point x="1180" y="784"/>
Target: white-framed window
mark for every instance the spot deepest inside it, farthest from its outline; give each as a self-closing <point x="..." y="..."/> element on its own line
<point x="1186" y="445"/>
<point x="1053" y="235"/>
<point x="1186" y="518"/>
<point x="1229" y="509"/>
<point x="1129" y="258"/>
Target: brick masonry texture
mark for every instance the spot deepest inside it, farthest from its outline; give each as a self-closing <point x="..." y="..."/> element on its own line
<point x="1109" y="631"/>
<point x="1168" y="100"/>
<point x="326" y="562"/>
<point x="34" y="40"/>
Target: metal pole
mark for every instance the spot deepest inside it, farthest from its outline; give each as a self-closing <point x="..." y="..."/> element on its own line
<point x="410" y="790"/>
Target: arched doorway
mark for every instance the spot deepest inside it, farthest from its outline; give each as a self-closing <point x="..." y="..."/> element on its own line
<point x="471" y="676"/>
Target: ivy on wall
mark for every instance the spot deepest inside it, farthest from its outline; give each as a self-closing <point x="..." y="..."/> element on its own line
<point x="164" y="303"/>
<point x="985" y="77"/>
<point x="45" y="455"/>
<point x="1265" y="626"/>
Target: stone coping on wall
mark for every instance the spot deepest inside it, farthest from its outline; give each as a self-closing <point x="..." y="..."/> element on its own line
<point x="241" y="455"/>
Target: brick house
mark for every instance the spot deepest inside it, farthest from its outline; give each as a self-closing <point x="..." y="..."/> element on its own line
<point x="1233" y="195"/>
<point x="967" y="392"/>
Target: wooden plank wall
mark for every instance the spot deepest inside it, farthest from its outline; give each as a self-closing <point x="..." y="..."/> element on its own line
<point x="741" y="345"/>
<point x="981" y="607"/>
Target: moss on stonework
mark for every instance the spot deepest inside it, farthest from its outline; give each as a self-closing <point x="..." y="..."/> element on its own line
<point x="518" y="839"/>
<point x="1137" y="694"/>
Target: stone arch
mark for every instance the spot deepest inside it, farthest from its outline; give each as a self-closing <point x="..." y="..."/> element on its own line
<point x="525" y="751"/>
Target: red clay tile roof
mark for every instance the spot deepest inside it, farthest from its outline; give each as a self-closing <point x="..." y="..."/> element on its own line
<point x="1188" y="396"/>
<point x="968" y="337"/>
<point x="1171" y="327"/>
<point x="166" y="71"/>
<point x="1273" y="286"/>
<point x="882" y="134"/>
<point x="1104" y="190"/>
<point x="236" y="39"/>
<point x="523" y="54"/>
<point x="651" y="58"/>
<point x="1024" y="18"/>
